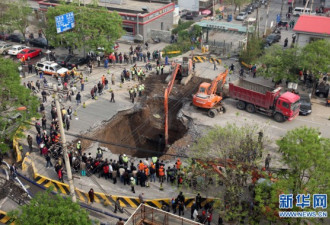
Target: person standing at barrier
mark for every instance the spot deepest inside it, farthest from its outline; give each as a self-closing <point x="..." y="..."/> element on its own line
<point x="60" y="174"/>
<point x="29" y="140"/>
<point x="161" y="174"/>
<point x="181" y="208"/>
<point x="132" y="184"/>
<point x="198" y="201"/>
<point x="91" y="195"/>
<point x="117" y="205"/>
<point x="152" y="172"/>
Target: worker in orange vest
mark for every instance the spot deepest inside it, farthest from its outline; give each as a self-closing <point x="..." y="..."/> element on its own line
<point x="152" y="172"/>
<point x="161" y="174"/>
<point x="178" y="164"/>
<point x="141" y="166"/>
<point x="146" y="171"/>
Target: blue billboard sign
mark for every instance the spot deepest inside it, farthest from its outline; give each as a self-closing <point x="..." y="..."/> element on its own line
<point x="64" y="22"/>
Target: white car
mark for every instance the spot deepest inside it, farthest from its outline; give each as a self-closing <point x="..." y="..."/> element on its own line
<point x="16" y="49"/>
<point x="241" y="16"/>
<point x="4" y="47"/>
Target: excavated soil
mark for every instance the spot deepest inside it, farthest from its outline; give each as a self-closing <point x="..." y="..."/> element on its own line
<point x="143" y="126"/>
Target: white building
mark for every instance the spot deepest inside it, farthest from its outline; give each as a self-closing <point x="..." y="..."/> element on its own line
<point x="310" y="28"/>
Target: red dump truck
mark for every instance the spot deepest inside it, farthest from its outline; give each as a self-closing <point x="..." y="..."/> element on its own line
<point x="266" y="100"/>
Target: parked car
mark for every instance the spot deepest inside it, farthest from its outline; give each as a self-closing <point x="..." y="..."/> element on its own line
<point x="282" y="23"/>
<point x="248" y="9"/>
<point x="189" y="16"/>
<point x="29" y="53"/>
<point x="62" y="59"/>
<point x="4" y="47"/>
<point x="241" y="16"/>
<point x="16" y="38"/>
<point x="3" y="36"/>
<point x="273" y="38"/>
<point x="305" y="105"/>
<point x="183" y="13"/>
<point x="76" y="61"/>
<point x="322" y="90"/>
<point x="51" y="68"/>
<point x="40" y="42"/>
<point x="15" y="49"/>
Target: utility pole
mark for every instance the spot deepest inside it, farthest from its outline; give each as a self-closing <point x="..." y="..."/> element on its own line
<point x="65" y="151"/>
<point x="213" y="8"/>
<point x="311" y="7"/>
<point x="267" y="17"/>
<point x="282" y="8"/>
<point x="307" y="2"/>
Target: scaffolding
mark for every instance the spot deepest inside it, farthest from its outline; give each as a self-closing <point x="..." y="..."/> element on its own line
<point x="147" y="215"/>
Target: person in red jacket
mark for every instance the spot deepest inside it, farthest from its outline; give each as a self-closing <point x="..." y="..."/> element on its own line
<point x="60" y="174"/>
<point x="106" y="171"/>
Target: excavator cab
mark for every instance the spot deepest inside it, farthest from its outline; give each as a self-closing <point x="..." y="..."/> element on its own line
<point x="207" y="97"/>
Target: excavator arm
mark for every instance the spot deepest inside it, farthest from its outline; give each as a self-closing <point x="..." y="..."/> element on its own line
<point x="221" y="77"/>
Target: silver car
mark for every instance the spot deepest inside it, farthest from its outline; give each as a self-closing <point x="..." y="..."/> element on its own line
<point x="241" y="16"/>
<point x="4" y="47"/>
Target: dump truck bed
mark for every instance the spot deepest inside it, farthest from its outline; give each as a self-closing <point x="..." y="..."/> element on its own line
<point x="256" y="94"/>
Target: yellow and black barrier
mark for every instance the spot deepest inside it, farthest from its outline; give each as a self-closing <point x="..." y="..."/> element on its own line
<point x="246" y="65"/>
<point x="4" y="219"/>
<point x="201" y="59"/>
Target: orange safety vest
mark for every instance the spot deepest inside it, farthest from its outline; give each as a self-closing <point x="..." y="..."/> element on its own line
<point x="178" y="164"/>
<point x="161" y="171"/>
<point x="141" y="166"/>
<point x="146" y="170"/>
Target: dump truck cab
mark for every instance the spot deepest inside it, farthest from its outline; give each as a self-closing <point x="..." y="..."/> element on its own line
<point x="288" y="105"/>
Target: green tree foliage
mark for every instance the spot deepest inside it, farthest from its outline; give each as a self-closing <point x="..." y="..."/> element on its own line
<point x="48" y="209"/>
<point x="316" y="57"/>
<point x="253" y="50"/>
<point x="182" y="26"/>
<point x="237" y="3"/>
<point x="225" y="146"/>
<point x="308" y="157"/>
<point x="280" y="64"/>
<point x="12" y="96"/>
<point x="94" y="27"/>
<point x="15" y="15"/>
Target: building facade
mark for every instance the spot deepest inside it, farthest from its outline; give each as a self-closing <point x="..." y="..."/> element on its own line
<point x="311" y="28"/>
<point x="140" y="18"/>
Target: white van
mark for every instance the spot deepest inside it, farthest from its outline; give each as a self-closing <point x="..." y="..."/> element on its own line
<point x="299" y="11"/>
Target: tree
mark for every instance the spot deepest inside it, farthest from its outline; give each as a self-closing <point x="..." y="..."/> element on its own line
<point x="48" y="209"/>
<point x="12" y="96"/>
<point x="237" y="4"/>
<point x="253" y="50"/>
<point x="308" y="157"/>
<point x="280" y="64"/>
<point x="17" y="15"/>
<point x="236" y="149"/>
<point x="94" y="27"/>
<point x="316" y="57"/>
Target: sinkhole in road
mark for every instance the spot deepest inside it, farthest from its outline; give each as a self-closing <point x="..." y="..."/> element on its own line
<point x="142" y="128"/>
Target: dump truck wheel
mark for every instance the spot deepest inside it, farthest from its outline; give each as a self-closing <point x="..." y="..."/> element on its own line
<point x="279" y="117"/>
<point x="241" y="105"/>
<point x="250" y="108"/>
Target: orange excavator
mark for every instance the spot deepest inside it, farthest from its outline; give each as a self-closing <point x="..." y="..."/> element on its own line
<point x="207" y="97"/>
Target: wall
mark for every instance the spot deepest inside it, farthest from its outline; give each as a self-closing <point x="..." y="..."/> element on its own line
<point x="304" y="39"/>
<point x="163" y="35"/>
<point x="167" y="21"/>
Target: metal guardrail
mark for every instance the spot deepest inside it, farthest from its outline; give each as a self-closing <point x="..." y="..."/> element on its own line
<point x="145" y="214"/>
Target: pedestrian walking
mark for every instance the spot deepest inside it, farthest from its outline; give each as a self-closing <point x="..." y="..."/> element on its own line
<point x="181" y="208"/>
<point x="198" y="201"/>
<point x="67" y="123"/>
<point x="13" y="171"/>
<point x="29" y="140"/>
<point x="48" y="161"/>
<point x="98" y="58"/>
<point x="70" y="112"/>
<point x="232" y="67"/>
<point x="38" y="128"/>
<point x="286" y="42"/>
<point x="60" y="174"/>
<point x="117" y="205"/>
<point x="78" y="98"/>
<point x="82" y="84"/>
<point x="112" y="97"/>
<point x="267" y="161"/>
<point x="174" y="205"/>
<point x="41" y="74"/>
<point x="44" y="96"/>
<point x="214" y="66"/>
<point x="30" y="68"/>
<point x="91" y="195"/>
<point x="113" y="79"/>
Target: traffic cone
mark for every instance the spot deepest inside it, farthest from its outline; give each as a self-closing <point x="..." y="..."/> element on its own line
<point x="161" y="187"/>
<point x="84" y="105"/>
<point x="86" y="79"/>
<point x="75" y="113"/>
